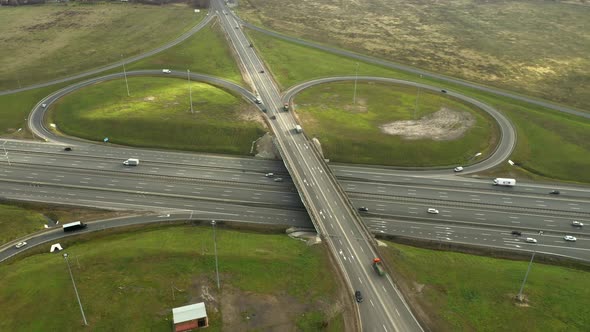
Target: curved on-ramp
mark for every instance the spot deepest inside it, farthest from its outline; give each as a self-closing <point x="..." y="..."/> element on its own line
<point x="503" y="149"/>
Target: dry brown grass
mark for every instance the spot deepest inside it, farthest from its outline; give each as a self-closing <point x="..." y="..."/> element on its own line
<point x="531" y="46"/>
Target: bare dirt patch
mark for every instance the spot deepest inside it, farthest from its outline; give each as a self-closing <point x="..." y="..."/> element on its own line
<point x="247" y="311"/>
<point x="443" y="125"/>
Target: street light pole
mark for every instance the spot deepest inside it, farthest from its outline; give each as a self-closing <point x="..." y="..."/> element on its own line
<point x="519" y="296"/>
<point x="75" y="289"/>
<point x="356" y="75"/>
<point x="215" y="246"/>
<point x="416" y="106"/>
<point x="125" y="74"/>
<point x="6" y="153"/>
<point x="190" y="91"/>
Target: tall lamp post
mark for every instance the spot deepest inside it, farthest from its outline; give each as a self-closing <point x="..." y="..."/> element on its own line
<point x="75" y="289"/>
<point x="356" y="75"/>
<point x="215" y="246"/>
<point x="190" y="92"/>
<point x="125" y="74"/>
<point x="519" y="297"/>
<point x="6" y="153"/>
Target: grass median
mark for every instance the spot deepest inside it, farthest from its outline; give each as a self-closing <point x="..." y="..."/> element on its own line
<point x="461" y="292"/>
<point x="132" y="281"/>
<point x="158" y="114"/>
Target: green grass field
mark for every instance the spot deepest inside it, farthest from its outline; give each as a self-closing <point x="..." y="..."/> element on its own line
<point x="534" y="47"/>
<point x="158" y="115"/>
<point x="550" y="144"/>
<point x="350" y="133"/>
<point x="16" y="222"/>
<point x="45" y="42"/>
<point x="125" y="281"/>
<point x="473" y="293"/>
<point x="206" y="52"/>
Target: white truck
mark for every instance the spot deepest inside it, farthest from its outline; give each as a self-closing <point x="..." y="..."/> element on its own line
<point x="131" y="162"/>
<point x="504" y="182"/>
<point x="298" y="129"/>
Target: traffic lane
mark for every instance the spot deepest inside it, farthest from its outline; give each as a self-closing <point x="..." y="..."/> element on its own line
<point x="209" y="172"/>
<point x="548" y="243"/>
<point x="457" y="184"/>
<point x="119" y="153"/>
<point x="575" y="207"/>
<point x="280" y="194"/>
<point x="141" y="202"/>
<point x="55" y="235"/>
<point x="455" y="215"/>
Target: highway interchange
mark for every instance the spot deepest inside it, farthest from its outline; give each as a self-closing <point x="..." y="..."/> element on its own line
<point x="190" y="186"/>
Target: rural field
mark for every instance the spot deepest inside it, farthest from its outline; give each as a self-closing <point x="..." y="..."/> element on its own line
<point x="550" y="145"/>
<point x="45" y="42"/>
<point x="434" y="130"/>
<point x="461" y="292"/>
<point x="534" y="47"/>
<point x="158" y="115"/>
<point x="131" y="281"/>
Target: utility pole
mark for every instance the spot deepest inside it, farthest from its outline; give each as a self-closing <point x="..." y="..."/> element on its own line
<point x="190" y="91"/>
<point x="215" y="246"/>
<point x="519" y="297"/>
<point x="125" y="74"/>
<point x="75" y="289"/>
<point x="6" y="153"/>
<point x="356" y="75"/>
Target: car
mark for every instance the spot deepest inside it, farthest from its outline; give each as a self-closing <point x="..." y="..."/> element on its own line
<point x="67" y="148"/>
<point x="43" y="105"/>
<point x="443" y="91"/>
<point x="269" y="175"/>
<point x="166" y="71"/>
<point x="554" y="192"/>
<point x="577" y="223"/>
<point x="278" y="179"/>
<point x="364" y="209"/>
<point x="262" y="71"/>
<point x="237" y="27"/>
<point x="358" y="296"/>
<point x="432" y="210"/>
<point x="458" y="169"/>
<point x="264" y="110"/>
<point x="251" y="45"/>
<point x="531" y="240"/>
<point x="20" y="245"/>
<point x="519" y="233"/>
<point x="274" y="117"/>
<point x="570" y="238"/>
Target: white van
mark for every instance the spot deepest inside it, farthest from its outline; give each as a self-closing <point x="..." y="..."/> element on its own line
<point x="131" y="162"/>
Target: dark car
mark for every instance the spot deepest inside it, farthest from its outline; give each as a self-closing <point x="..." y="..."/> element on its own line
<point x="264" y="110"/>
<point x="443" y="91"/>
<point x="519" y="233"/>
<point x="358" y="296"/>
<point x="554" y="192"/>
<point x="273" y="117"/>
<point x="364" y="209"/>
<point x="67" y="149"/>
<point x="262" y="71"/>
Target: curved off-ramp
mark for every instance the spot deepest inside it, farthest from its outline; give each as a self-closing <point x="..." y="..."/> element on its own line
<point x="36" y="121"/>
<point x="504" y="148"/>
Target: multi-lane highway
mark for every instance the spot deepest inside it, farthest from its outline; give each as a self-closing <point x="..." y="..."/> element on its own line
<point x="187" y="186"/>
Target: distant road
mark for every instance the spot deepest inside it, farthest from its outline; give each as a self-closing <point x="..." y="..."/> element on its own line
<point x="175" y="42"/>
<point x="425" y="73"/>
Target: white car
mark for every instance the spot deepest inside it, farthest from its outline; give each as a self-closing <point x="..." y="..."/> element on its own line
<point x="20" y="245"/>
<point x="432" y="210"/>
<point x="166" y="71"/>
<point x="570" y="238"/>
<point x="531" y="240"/>
<point x="43" y="105"/>
<point x="458" y="169"/>
<point x="577" y="223"/>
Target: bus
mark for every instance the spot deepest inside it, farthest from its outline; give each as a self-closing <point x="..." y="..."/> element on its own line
<point x="73" y="226"/>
